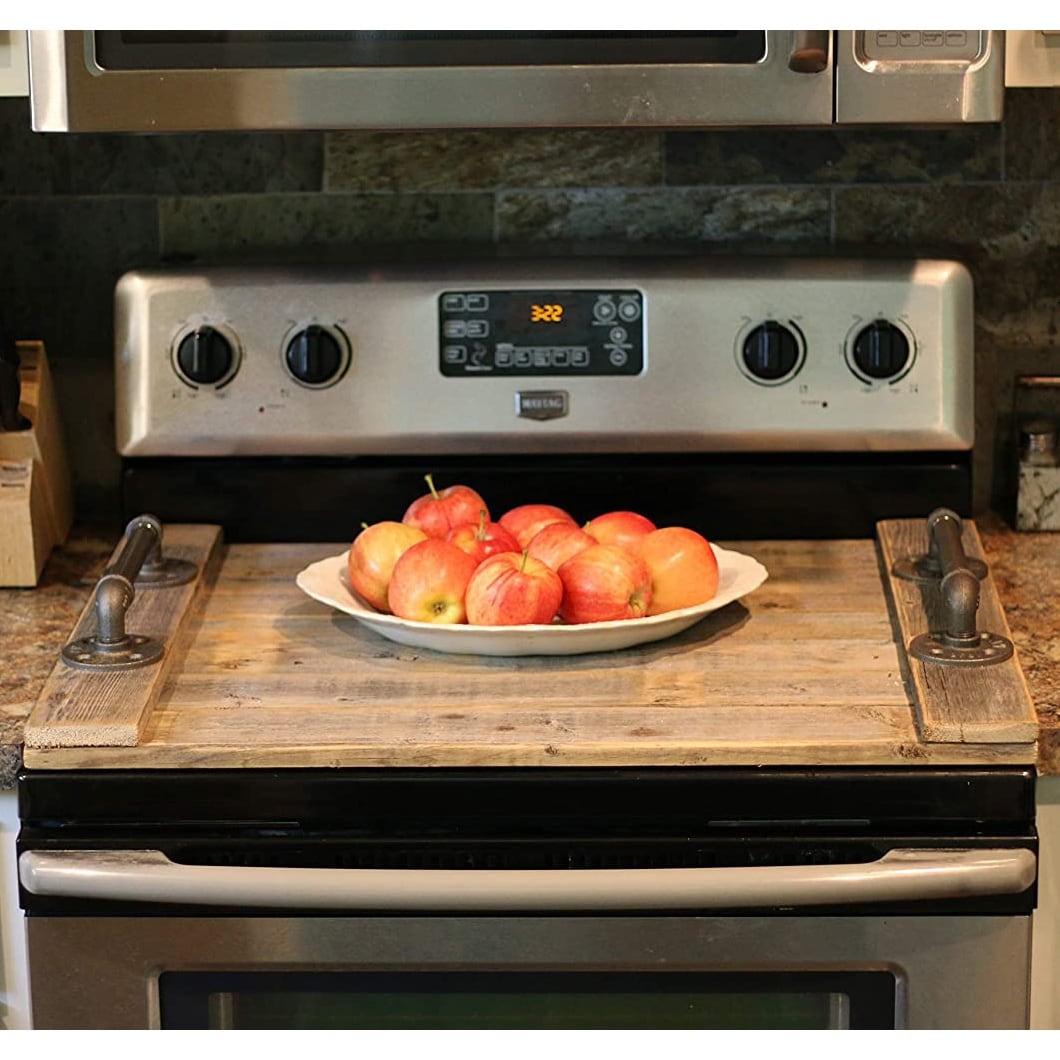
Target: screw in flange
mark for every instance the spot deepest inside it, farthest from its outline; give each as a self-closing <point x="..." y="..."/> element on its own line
<point x="934" y="648"/>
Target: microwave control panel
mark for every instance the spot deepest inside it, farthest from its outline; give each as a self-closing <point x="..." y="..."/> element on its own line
<point x="917" y="45"/>
<point x="541" y="333"/>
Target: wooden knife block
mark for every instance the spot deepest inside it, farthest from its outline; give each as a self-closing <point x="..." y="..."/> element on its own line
<point x="36" y="507"/>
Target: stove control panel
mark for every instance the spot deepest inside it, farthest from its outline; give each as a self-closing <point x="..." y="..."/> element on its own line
<point x="616" y="355"/>
<point x="541" y="333"/>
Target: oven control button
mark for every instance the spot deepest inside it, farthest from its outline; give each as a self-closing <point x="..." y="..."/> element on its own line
<point x="771" y="352"/>
<point x="604" y="309"/>
<point x="205" y="357"/>
<point x="881" y="351"/>
<point x="315" y="356"/>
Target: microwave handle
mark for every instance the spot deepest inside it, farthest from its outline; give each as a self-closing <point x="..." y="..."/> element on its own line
<point x="810" y="51"/>
<point x="900" y="875"/>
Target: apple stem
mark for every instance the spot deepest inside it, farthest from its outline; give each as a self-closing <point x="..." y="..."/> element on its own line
<point x="522" y="566"/>
<point x="430" y="482"/>
<point x="481" y="535"/>
<point x="364" y="525"/>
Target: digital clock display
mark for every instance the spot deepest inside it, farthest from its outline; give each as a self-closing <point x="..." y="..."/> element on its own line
<point x="541" y="332"/>
<point x="546" y="314"/>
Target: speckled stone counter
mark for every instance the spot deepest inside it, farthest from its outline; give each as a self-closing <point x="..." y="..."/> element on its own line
<point x="34" y="624"/>
<point x="1026" y="570"/>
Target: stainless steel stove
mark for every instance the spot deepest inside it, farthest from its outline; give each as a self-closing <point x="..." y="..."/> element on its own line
<point x="775" y="398"/>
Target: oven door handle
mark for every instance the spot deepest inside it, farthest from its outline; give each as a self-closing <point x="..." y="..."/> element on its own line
<point x="901" y="875"/>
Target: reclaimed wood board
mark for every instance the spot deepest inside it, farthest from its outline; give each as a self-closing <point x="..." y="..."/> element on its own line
<point x="804" y="671"/>
<point x="1004" y="711"/>
<point x="81" y="708"/>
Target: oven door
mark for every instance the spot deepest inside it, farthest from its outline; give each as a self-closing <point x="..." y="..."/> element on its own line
<point x="175" y="81"/>
<point x="535" y="949"/>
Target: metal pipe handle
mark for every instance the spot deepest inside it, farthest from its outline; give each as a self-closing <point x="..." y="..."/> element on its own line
<point x="960" y="587"/>
<point x="143" y="540"/>
<point x="929" y="568"/>
<point x="112" y="647"/>
<point x="959" y="642"/>
<point x="900" y="875"/>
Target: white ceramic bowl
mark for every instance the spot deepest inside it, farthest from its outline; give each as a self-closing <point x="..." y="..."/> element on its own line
<point x="327" y="582"/>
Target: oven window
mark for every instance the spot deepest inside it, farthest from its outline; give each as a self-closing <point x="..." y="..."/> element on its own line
<point x="227" y="49"/>
<point x="446" y="1000"/>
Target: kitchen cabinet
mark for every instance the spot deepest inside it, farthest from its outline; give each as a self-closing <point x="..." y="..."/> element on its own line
<point x="14" y="70"/>
<point x="1032" y="58"/>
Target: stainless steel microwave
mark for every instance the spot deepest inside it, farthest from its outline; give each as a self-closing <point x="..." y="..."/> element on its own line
<point x="158" y="81"/>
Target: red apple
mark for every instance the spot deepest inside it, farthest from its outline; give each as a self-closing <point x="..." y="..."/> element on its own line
<point x="683" y="568"/>
<point x="529" y="519"/>
<point x="513" y="589"/>
<point x="429" y="582"/>
<point x="373" y="554"/>
<point x="604" y="583"/>
<point x="624" y="529"/>
<point x="482" y="540"/>
<point x="557" y="543"/>
<point x="438" y="512"/>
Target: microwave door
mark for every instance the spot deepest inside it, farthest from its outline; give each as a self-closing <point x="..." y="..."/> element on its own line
<point x="175" y="82"/>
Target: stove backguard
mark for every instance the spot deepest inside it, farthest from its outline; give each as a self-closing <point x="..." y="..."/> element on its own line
<point x="758" y="397"/>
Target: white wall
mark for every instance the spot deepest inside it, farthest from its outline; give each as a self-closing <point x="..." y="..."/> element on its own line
<point x="14" y="978"/>
<point x="1045" y="974"/>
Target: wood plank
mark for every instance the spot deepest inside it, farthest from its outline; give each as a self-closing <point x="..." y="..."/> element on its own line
<point x="80" y="708"/>
<point x="773" y="751"/>
<point x="982" y="704"/>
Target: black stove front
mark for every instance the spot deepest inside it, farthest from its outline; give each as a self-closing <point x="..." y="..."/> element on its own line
<point x="722" y="496"/>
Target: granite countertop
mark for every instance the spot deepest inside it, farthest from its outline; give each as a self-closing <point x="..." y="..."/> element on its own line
<point x="35" y="623"/>
<point x="1026" y="571"/>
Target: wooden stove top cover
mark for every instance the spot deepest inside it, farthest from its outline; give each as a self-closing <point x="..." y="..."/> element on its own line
<point x="806" y="671"/>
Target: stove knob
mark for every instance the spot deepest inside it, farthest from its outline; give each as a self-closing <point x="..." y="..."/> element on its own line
<point x="770" y="351"/>
<point x="205" y="356"/>
<point x="314" y="356"/>
<point x="881" y="350"/>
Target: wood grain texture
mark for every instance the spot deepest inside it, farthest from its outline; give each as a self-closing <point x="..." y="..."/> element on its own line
<point x="802" y="672"/>
<point x="25" y="524"/>
<point x="79" y="708"/>
<point x="983" y="704"/>
<point x="37" y="516"/>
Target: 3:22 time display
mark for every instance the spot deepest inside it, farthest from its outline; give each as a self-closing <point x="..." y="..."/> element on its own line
<point x="550" y="313"/>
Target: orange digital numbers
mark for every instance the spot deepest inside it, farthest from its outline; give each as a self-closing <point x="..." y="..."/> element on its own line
<point x="546" y="314"/>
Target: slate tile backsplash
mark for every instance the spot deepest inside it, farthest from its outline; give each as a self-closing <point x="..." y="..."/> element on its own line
<point x="300" y="224"/>
<point x="477" y="160"/>
<point x="807" y="156"/>
<point x="682" y="215"/>
<point x="78" y="210"/>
